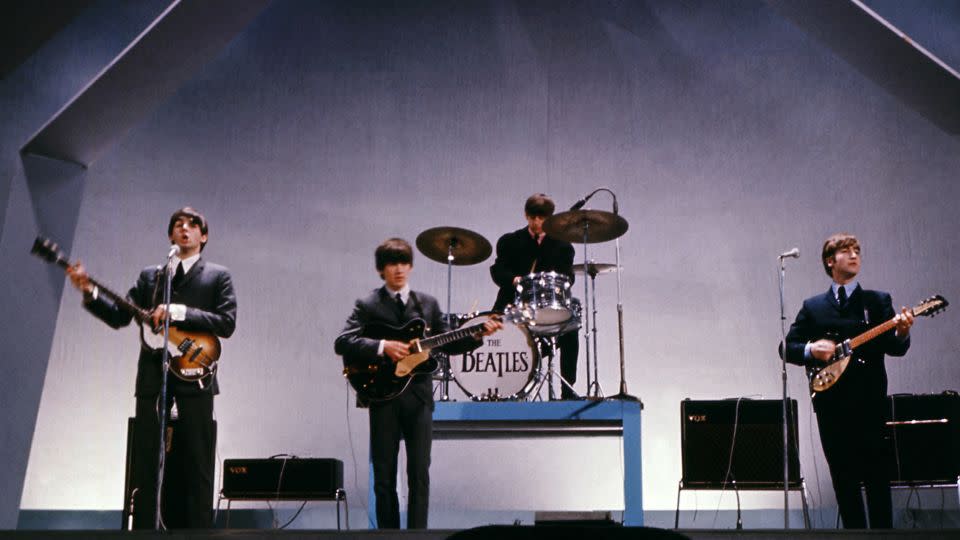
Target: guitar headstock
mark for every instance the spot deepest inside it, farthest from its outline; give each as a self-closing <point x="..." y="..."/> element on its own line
<point x="931" y="306"/>
<point x="47" y="250"/>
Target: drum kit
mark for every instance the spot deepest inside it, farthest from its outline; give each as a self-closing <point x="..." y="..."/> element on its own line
<point x="509" y="364"/>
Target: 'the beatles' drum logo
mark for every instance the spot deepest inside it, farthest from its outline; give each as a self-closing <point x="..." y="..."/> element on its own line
<point x="488" y="359"/>
<point x="503" y="367"/>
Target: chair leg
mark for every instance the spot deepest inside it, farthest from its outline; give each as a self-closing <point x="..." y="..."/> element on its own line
<point x="341" y="495"/>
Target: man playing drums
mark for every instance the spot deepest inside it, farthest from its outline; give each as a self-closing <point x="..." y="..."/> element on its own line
<point x="527" y="251"/>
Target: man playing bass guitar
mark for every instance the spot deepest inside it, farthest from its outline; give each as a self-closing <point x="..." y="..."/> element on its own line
<point x="407" y="416"/>
<point x="850" y="413"/>
<point x="203" y="300"/>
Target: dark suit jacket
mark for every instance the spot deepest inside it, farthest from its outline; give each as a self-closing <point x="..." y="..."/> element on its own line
<point x="378" y="307"/>
<point x="206" y="290"/>
<point x="865" y="309"/>
<point x="516" y="253"/>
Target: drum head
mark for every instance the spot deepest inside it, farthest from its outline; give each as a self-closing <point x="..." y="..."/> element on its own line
<point x="502" y="368"/>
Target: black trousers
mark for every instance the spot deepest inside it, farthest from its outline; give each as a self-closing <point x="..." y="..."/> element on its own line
<point x="190" y="476"/>
<point x="569" y="345"/>
<point x="408" y="418"/>
<point x="851" y="432"/>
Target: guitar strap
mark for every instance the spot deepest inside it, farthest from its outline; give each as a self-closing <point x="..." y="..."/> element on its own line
<point x="159" y="277"/>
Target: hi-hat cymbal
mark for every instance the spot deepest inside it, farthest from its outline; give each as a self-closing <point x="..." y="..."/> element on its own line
<point x="585" y="226"/>
<point x="595" y="268"/>
<point x="467" y="246"/>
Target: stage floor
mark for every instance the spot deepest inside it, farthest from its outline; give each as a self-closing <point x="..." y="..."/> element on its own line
<point x="593" y="532"/>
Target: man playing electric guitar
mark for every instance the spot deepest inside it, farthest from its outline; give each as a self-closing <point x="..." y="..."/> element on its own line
<point x="409" y="415"/>
<point x="850" y="414"/>
<point x="202" y="299"/>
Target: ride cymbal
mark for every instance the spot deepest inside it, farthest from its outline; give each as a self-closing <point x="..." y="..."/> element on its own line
<point x="466" y="247"/>
<point x="585" y="226"/>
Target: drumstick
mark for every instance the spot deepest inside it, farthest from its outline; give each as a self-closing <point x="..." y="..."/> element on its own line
<point x="473" y="308"/>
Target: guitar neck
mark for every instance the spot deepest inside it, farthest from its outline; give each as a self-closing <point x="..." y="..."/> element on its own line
<point x="873" y="332"/>
<point x="449" y="337"/>
<point x="138" y="313"/>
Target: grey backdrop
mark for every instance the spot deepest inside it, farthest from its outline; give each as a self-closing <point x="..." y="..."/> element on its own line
<point x="726" y="132"/>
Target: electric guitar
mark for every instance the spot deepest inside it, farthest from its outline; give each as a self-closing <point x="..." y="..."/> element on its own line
<point x="824" y="375"/>
<point x="193" y="355"/>
<point x="381" y="379"/>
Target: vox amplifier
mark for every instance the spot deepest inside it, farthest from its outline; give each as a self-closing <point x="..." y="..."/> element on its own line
<point x="924" y="435"/>
<point x="298" y="479"/>
<point x="740" y="441"/>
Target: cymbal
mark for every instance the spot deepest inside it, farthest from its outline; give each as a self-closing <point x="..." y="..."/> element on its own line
<point x="599" y="225"/>
<point x="595" y="268"/>
<point x="468" y="247"/>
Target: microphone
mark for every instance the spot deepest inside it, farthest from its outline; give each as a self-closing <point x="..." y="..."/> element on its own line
<point x="174" y="250"/>
<point x="579" y="204"/>
<point x="792" y="254"/>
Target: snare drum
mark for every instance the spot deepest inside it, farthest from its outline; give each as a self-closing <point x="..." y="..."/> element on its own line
<point x="570" y="325"/>
<point x="547" y="297"/>
<point x="504" y="367"/>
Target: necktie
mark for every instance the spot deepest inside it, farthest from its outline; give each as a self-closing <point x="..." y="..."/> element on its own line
<point x="177" y="276"/>
<point x="842" y="296"/>
<point x="400" y="307"/>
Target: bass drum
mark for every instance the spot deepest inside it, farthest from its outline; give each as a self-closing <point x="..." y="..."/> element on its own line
<point x="503" y="368"/>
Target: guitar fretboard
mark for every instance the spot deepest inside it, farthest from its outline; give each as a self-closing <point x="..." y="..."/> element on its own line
<point x="449" y="337"/>
<point x="873" y="333"/>
<point x="138" y="313"/>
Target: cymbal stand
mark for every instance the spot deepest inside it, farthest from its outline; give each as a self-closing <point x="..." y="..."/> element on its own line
<point x="595" y="384"/>
<point x="445" y="362"/>
<point x="591" y="383"/>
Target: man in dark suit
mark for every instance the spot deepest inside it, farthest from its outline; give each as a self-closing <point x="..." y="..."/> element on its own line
<point x="850" y="414"/>
<point x="529" y="250"/>
<point x="408" y="416"/>
<point x="202" y="299"/>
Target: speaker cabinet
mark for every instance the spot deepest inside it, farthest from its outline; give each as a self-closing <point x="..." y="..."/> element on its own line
<point x="738" y="441"/>
<point x="924" y="435"/>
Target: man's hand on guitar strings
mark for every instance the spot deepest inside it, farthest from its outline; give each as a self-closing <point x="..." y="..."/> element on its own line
<point x="157" y="316"/>
<point x="396" y="350"/>
<point x="822" y="349"/>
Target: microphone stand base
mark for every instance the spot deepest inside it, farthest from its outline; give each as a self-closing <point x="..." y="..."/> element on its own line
<point x="623" y="396"/>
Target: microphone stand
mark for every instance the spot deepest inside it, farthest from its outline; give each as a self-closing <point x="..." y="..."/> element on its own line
<point x="623" y="395"/>
<point x="783" y="371"/>
<point x="162" y="405"/>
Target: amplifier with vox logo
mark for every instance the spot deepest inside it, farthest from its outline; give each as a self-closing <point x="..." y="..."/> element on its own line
<point x="737" y="440"/>
<point x="297" y="479"/>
